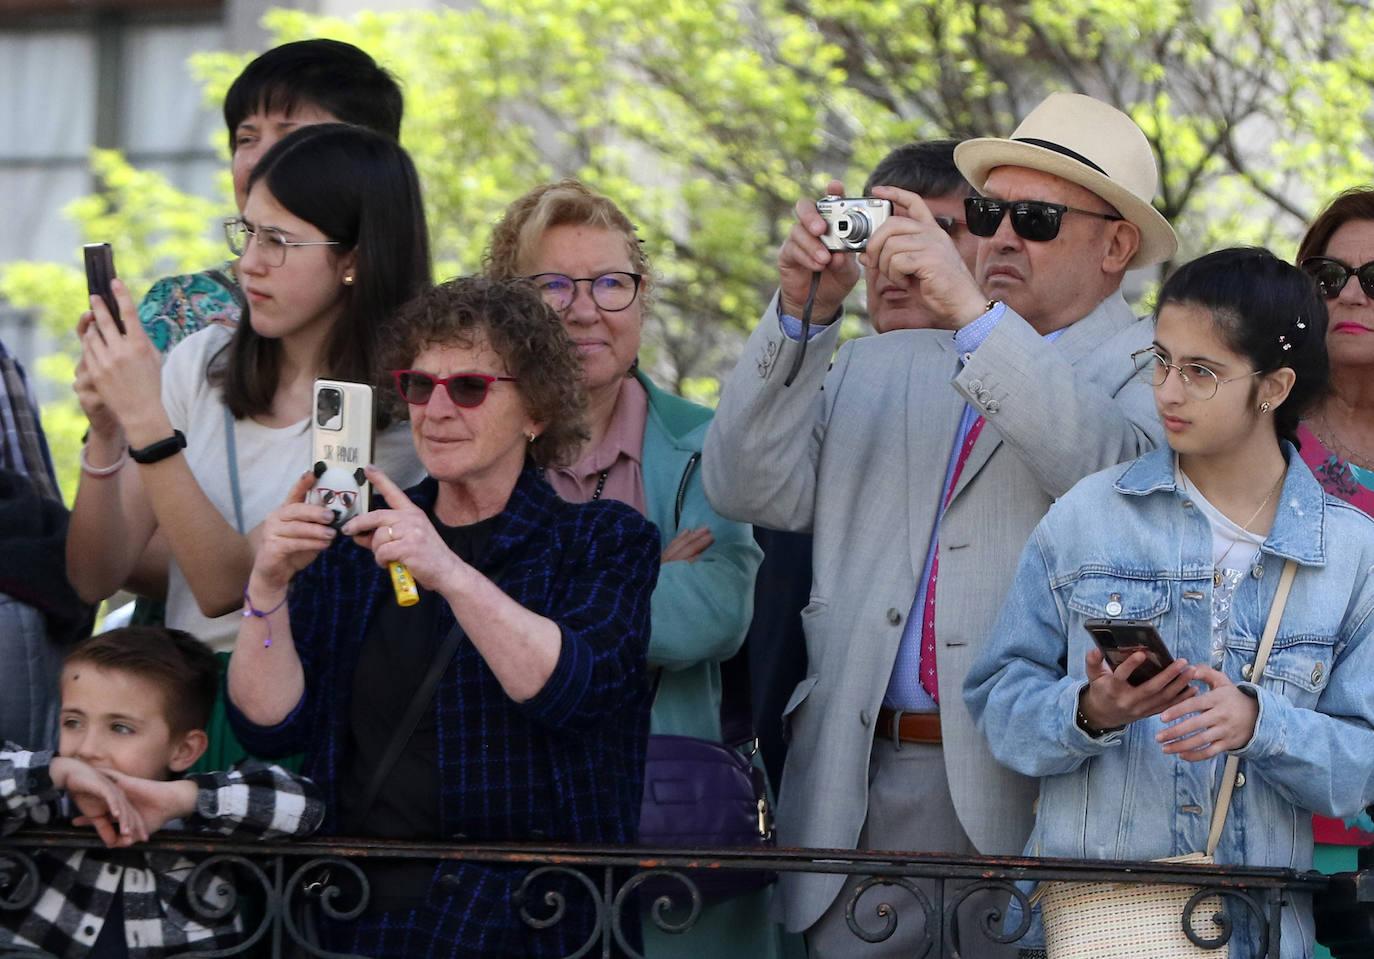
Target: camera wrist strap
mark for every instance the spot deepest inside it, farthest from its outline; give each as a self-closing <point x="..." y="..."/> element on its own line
<point x="805" y="327"/>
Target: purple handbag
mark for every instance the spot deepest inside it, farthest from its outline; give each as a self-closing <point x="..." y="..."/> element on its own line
<point x="699" y="793"/>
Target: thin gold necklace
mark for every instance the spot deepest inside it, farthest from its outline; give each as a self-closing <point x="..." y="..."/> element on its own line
<point x="1218" y="566"/>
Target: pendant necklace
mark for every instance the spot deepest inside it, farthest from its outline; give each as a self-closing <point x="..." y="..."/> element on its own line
<point x="1219" y="564"/>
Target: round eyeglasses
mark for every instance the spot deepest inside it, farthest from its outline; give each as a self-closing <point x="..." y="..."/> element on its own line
<point x="272" y="243"/>
<point x="1199" y="383"/>
<point x="611" y="292"/>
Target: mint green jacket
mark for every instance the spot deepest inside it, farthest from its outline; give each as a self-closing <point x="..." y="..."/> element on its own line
<point x="700" y="610"/>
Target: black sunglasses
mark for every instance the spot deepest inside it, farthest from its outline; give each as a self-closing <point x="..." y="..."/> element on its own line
<point x="1036" y="220"/>
<point x="465" y="389"/>
<point x="1332" y="275"/>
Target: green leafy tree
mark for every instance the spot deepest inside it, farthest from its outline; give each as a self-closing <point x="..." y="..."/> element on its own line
<point x="708" y="120"/>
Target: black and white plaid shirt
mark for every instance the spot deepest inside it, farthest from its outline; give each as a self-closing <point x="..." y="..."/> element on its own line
<point x="78" y="886"/>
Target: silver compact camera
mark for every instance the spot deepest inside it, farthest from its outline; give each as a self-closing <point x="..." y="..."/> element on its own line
<point x="851" y="220"/>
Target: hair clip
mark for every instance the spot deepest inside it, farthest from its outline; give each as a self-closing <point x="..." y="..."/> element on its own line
<point x="1301" y="324"/>
<point x="1283" y="342"/>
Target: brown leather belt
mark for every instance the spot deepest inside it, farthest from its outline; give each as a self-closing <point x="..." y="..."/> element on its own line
<point x="910" y="727"/>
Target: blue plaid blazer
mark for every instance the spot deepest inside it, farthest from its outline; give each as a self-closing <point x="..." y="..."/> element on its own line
<point x="567" y="765"/>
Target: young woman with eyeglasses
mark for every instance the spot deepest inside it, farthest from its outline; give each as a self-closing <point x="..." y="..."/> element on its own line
<point x="1193" y="538"/>
<point x="581" y="251"/>
<point x="184" y="461"/>
<point x="288" y="87"/>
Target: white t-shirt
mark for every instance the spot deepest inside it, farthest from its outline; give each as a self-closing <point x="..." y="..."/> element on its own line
<point x="269" y="462"/>
<point x="1234" y="551"/>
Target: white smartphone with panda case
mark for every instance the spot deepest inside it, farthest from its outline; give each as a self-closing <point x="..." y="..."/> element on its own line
<point x="341" y="436"/>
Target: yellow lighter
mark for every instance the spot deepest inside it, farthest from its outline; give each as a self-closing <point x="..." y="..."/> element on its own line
<point x="404" y="585"/>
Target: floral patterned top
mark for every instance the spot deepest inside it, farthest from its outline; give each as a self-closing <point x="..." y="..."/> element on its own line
<point x="1355" y="485"/>
<point x="177" y="306"/>
<point x="1340" y="478"/>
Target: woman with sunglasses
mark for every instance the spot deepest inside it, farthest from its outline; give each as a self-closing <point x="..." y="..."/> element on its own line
<point x="184" y="461"/>
<point x="644" y="449"/>
<point x="510" y="702"/>
<point x="1193" y="538"/>
<point x="1337" y="436"/>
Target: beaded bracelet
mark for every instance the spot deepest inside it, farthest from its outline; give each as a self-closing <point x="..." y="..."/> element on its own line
<point x="100" y="472"/>
<point x="250" y="610"/>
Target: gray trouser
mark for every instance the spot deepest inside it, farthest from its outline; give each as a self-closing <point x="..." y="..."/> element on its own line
<point x="30" y="667"/>
<point x="909" y="808"/>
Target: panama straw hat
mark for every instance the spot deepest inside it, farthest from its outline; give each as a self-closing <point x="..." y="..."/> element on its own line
<point x="1088" y="142"/>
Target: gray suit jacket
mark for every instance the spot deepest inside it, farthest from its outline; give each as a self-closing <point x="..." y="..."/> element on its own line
<point x="857" y="456"/>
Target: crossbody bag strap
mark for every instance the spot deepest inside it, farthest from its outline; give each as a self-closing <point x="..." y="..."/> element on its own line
<point x="1271" y="629"/>
<point x="736" y="712"/>
<point x="231" y="452"/>
<point x="400" y="737"/>
<point x="423" y="700"/>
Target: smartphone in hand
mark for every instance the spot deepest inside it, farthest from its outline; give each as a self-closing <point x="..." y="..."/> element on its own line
<point x="100" y="271"/>
<point x="1119" y="638"/>
<point x="341" y="437"/>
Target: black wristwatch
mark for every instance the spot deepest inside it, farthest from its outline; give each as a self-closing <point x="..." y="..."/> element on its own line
<point x="156" y="452"/>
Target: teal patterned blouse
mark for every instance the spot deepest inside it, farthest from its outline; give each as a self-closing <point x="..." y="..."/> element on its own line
<point x="177" y="306"/>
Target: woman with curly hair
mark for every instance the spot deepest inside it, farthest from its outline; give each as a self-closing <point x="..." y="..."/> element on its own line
<point x="531" y="628"/>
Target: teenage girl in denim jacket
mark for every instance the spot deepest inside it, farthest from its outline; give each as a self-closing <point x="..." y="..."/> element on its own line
<point x="1193" y="538"/>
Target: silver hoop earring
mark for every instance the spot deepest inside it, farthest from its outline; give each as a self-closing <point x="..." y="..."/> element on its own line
<point x="1264" y="407"/>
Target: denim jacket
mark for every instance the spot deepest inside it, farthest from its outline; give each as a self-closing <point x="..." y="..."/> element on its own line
<point x="1128" y="543"/>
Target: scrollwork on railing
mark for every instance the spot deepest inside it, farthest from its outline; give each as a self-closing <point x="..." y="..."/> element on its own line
<point x="663" y="903"/>
<point x="887" y="913"/>
<point x="18" y="880"/>
<point x="597" y="898"/>
<point x="991" y="923"/>
<point x="207" y="880"/>
<point x="557" y="900"/>
<point x="316" y="880"/>
<point x="1220" y="919"/>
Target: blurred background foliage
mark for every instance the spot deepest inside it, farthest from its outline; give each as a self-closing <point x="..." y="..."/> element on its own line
<point x="708" y="119"/>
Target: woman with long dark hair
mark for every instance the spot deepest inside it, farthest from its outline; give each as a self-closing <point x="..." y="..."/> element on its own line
<point x="1194" y="539"/>
<point x="183" y="462"/>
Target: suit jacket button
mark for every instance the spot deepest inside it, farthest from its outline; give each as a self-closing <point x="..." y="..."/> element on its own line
<point x="992" y="406"/>
<point x="894" y="616"/>
<point x="864" y="717"/>
<point x="975" y="386"/>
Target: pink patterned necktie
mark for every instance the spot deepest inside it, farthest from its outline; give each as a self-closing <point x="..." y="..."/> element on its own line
<point x="930" y="674"/>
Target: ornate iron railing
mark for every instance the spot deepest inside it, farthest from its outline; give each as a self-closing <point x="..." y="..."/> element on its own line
<point x="286" y="882"/>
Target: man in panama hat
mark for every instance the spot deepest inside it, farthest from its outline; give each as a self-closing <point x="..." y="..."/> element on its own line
<point x="921" y="460"/>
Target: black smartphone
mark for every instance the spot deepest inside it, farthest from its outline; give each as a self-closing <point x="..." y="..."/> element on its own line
<point x="100" y="270"/>
<point x="1119" y="638"/>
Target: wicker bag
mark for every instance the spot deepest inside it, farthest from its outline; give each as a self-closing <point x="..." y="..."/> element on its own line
<point x="1146" y="920"/>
